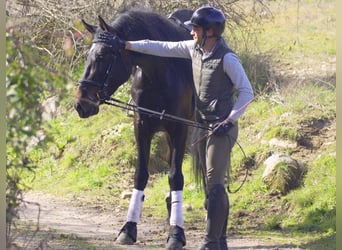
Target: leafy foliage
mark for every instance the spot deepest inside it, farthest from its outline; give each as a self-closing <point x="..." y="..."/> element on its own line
<point x="27" y="83"/>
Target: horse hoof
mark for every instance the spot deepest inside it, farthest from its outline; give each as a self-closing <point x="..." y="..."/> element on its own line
<point x="124" y="239"/>
<point x="128" y="234"/>
<point x="174" y="244"/>
<point x="176" y="239"/>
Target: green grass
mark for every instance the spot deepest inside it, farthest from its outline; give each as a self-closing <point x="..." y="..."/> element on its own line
<point x="84" y="154"/>
<point x="314" y="207"/>
<point x="300" y="30"/>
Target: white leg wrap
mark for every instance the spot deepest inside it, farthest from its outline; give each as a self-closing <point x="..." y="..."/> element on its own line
<point x="176" y="217"/>
<point x="135" y="206"/>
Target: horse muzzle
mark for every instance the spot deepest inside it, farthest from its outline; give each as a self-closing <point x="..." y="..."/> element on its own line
<point x="86" y="108"/>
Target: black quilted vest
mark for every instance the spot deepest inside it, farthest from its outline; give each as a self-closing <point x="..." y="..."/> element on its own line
<point x="214" y="89"/>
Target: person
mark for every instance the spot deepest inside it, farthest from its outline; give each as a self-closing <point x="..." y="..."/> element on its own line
<point x="222" y="92"/>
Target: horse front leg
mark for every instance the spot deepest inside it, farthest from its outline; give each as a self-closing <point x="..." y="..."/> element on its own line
<point x="128" y="233"/>
<point x="176" y="238"/>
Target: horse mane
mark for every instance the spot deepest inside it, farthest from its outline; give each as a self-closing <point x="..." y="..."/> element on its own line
<point x="137" y="24"/>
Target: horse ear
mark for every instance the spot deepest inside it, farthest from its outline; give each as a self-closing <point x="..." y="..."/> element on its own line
<point x="104" y="26"/>
<point x="89" y="27"/>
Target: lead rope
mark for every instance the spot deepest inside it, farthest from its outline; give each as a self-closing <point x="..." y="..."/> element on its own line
<point x="246" y="174"/>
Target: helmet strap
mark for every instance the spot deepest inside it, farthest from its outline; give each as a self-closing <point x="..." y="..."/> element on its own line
<point x="204" y="39"/>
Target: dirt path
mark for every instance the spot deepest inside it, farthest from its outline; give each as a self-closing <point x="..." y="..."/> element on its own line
<point x="63" y="225"/>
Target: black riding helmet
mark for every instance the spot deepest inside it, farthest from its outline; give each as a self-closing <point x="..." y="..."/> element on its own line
<point x="208" y="17"/>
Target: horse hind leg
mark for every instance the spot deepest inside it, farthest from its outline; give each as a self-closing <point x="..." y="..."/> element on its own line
<point x="176" y="238"/>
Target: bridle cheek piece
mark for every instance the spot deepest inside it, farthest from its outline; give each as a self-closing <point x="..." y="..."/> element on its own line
<point x="102" y="94"/>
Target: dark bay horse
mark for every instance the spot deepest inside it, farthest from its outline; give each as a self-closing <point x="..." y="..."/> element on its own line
<point x="161" y="84"/>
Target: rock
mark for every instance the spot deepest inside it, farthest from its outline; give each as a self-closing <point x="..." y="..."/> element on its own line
<point x="283" y="173"/>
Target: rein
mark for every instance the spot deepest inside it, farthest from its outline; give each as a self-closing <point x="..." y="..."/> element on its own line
<point x="161" y="115"/>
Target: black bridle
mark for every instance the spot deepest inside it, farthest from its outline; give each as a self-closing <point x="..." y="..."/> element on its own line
<point x="103" y="93"/>
<point x="102" y="85"/>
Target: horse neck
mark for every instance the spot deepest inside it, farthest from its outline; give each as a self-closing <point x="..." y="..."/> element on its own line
<point x="137" y="25"/>
<point x="151" y="66"/>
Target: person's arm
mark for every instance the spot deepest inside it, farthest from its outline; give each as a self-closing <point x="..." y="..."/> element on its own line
<point x="180" y="49"/>
<point x="234" y="69"/>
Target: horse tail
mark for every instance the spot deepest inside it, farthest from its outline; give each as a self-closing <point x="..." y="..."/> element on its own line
<point x="198" y="160"/>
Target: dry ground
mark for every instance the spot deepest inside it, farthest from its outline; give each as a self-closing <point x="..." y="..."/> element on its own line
<point x="63" y="225"/>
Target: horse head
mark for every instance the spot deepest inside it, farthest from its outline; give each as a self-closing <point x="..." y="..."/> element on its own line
<point x="105" y="70"/>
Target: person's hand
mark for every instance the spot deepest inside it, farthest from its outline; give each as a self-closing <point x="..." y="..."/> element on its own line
<point x="114" y="41"/>
<point x="222" y="128"/>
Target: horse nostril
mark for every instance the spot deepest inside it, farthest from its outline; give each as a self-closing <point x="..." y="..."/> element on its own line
<point x="83" y="113"/>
